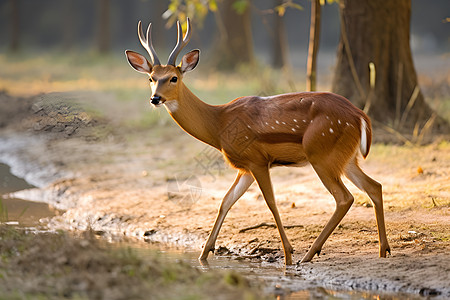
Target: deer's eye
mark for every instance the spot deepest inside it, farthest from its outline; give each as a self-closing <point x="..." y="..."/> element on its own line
<point x="173" y="79"/>
<point x="150" y="79"/>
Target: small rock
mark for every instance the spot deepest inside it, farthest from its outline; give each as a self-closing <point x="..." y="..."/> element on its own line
<point x="429" y="292"/>
<point x="70" y="130"/>
<point x="58" y="128"/>
<point x="36" y="107"/>
<point x="38" y="126"/>
<point x="150" y="232"/>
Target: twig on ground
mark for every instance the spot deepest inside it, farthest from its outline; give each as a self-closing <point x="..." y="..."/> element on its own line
<point x="264" y="224"/>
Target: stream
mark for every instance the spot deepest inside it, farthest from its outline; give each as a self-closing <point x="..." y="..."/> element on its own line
<point x="276" y="280"/>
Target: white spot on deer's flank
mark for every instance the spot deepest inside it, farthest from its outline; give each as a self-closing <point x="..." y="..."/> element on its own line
<point x="248" y="126"/>
<point x="266" y="123"/>
<point x="339" y="121"/>
<point x="295" y="120"/>
<point x="272" y="127"/>
<point x="293" y="129"/>
<point x="276" y="121"/>
<point x="284" y="123"/>
<point x="323" y="134"/>
<point x="346" y="123"/>
<point x="331" y="130"/>
<point x="327" y="117"/>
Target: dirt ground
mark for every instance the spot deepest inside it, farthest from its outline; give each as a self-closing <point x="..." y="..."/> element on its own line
<point x="158" y="184"/>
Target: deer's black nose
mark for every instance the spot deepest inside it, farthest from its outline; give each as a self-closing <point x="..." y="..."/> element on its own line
<point x="155" y="100"/>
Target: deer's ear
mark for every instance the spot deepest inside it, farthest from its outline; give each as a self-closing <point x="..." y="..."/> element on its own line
<point x="138" y="62"/>
<point x="189" y="61"/>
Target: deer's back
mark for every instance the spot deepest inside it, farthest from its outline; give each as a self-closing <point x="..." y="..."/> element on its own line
<point x="288" y="129"/>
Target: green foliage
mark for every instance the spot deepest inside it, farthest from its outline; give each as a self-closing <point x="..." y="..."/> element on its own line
<point x="199" y="9"/>
<point x="324" y="2"/>
<point x="195" y="9"/>
<point x="240" y="6"/>
<point x="281" y="9"/>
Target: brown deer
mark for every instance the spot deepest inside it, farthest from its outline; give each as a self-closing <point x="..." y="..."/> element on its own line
<point x="255" y="134"/>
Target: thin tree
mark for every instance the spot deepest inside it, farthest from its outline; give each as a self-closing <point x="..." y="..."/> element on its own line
<point x="279" y="45"/>
<point x="313" y="48"/>
<point x="15" y="25"/>
<point x="69" y="24"/>
<point x="103" y="26"/>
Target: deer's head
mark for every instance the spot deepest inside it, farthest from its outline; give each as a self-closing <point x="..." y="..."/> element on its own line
<point x="165" y="80"/>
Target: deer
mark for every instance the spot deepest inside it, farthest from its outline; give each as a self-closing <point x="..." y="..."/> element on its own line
<point x="255" y="134"/>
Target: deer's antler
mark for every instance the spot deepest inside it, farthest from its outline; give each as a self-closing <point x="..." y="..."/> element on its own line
<point x="147" y="43"/>
<point x="181" y="42"/>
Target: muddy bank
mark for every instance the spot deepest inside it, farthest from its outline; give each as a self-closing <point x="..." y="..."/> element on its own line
<point x="61" y="266"/>
<point x="161" y="185"/>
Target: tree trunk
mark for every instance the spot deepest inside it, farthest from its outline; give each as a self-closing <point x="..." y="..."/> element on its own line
<point x="313" y="49"/>
<point x="236" y="45"/>
<point x="69" y="25"/>
<point x="377" y="31"/>
<point x="15" y="23"/>
<point x="103" y="26"/>
<point x="280" y="45"/>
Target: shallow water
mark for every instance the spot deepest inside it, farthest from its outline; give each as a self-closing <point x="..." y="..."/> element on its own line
<point x="274" y="278"/>
<point x="20" y="212"/>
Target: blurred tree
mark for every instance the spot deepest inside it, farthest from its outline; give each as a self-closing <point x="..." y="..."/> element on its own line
<point x="69" y="26"/>
<point x="280" y="44"/>
<point x="375" y="36"/>
<point x="235" y="46"/>
<point x="103" y="26"/>
<point x="15" y="25"/>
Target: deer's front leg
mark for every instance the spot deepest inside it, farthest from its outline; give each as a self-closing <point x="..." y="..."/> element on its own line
<point x="240" y="186"/>
<point x="262" y="176"/>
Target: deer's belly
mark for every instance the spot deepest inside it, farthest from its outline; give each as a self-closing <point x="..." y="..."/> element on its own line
<point x="261" y="154"/>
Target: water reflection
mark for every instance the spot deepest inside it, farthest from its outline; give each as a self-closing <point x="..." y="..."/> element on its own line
<point x="20" y="212"/>
<point x="282" y="283"/>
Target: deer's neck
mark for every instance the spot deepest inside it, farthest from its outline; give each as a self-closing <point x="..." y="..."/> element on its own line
<point x="196" y="117"/>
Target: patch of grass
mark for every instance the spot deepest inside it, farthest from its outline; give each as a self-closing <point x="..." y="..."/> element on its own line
<point x="56" y="266"/>
<point x="3" y="211"/>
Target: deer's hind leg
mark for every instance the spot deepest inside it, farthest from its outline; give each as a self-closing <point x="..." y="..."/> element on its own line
<point x="344" y="201"/>
<point x="329" y="163"/>
<point x="374" y="191"/>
